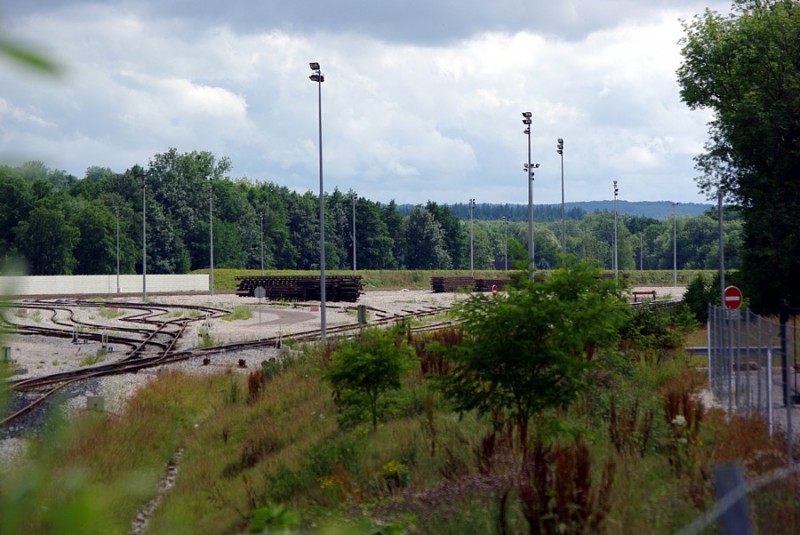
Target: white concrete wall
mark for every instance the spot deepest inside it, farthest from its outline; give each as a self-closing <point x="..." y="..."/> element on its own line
<point x="100" y="284"/>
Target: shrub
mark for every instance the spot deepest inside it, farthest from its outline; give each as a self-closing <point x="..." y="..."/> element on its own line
<point x="367" y="367"/>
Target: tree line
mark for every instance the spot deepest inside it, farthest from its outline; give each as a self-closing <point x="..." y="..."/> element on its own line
<point x="60" y="224"/>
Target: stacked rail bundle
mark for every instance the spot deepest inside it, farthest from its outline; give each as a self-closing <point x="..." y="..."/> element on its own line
<point x="302" y="287"/>
<point x="451" y="284"/>
<point x="455" y="284"/>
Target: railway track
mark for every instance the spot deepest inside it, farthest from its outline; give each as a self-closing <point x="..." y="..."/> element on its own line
<point x="138" y="359"/>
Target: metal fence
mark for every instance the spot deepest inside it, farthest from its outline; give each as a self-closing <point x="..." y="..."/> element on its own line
<point x="749" y="364"/>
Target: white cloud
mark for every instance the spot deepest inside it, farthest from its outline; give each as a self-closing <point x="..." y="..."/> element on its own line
<point x="409" y="120"/>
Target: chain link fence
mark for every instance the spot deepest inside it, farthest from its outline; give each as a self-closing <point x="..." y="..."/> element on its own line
<point x="752" y="365"/>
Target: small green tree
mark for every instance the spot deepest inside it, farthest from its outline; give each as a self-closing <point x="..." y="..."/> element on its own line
<point x="370" y="365"/>
<point x="529" y="351"/>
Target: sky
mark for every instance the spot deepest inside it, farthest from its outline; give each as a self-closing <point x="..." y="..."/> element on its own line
<point x="422" y="99"/>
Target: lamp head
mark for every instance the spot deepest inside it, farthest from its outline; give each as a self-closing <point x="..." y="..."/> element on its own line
<point x="314" y="66"/>
<point x="319" y="78"/>
<point x="526" y="121"/>
<point x="527" y="114"/>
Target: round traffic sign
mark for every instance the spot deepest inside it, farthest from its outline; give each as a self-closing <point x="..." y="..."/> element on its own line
<point x="733" y="297"/>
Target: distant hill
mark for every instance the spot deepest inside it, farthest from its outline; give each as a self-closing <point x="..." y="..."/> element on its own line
<point x="574" y="210"/>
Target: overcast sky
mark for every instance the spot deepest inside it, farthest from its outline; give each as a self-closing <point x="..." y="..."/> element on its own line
<point x="422" y="99"/>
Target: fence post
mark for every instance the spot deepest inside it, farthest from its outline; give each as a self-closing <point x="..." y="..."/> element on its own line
<point x="787" y="396"/>
<point x="728" y="481"/>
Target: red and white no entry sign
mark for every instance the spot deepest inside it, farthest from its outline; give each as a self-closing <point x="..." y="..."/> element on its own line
<point x="733" y="297"/>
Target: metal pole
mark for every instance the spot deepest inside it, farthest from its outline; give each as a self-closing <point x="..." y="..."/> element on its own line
<point x="319" y="78"/>
<point x="641" y="253"/>
<point x="211" y="235"/>
<point x="721" y="250"/>
<point x="560" y="151"/>
<point x="531" y="237"/>
<point x="262" y="243"/>
<point x="616" y="268"/>
<point x="117" y="211"/>
<point x="354" y="233"/>
<point x="527" y="121"/>
<point x="674" y="246"/>
<point x="505" y="233"/>
<point x="471" y="240"/>
<point x="144" y="239"/>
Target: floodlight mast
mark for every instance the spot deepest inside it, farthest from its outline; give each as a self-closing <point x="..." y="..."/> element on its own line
<point x="318" y="77"/>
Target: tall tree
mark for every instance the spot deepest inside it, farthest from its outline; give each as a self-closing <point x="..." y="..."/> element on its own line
<point x="456" y="236"/>
<point x="47" y="240"/>
<point x="396" y="228"/>
<point x="428" y="249"/>
<point x="744" y="68"/>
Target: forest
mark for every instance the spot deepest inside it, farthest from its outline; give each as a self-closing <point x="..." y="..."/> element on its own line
<point x="61" y="224"/>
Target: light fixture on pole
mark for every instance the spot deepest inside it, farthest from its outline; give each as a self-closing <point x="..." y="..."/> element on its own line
<point x="211" y="235"/>
<point x="262" y="243"/>
<point x="528" y="168"/>
<point x="674" y="246"/>
<point x="471" y="240"/>
<point x="505" y="242"/>
<point x="616" y="266"/>
<point x="560" y="151"/>
<point x="116" y="210"/>
<point x="355" y="197"/>
<point x="144" y="239"/>
<point x="319" y="78"/>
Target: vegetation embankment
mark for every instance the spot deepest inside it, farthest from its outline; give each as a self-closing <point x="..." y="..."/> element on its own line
<point x="225" y="279"/>
<point x="586" y="422"/>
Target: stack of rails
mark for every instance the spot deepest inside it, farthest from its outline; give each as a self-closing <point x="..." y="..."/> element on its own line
<point x="302" y="287"/>
<point x="454" y="284"/>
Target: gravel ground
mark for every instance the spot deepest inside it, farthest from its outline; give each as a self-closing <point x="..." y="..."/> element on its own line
<point x="39" y="355"/>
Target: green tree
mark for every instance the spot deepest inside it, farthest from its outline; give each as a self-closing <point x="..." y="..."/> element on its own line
<point x="454" y="233"/>
<point x="95" y="251"/>
<point x="528" y="351"/>
<point x="396" y="228"/>
<point x="371" y="365"/>
<point x="744" y="68"/>
<point x="47" y="240"/>
<point x="427" y="248"/>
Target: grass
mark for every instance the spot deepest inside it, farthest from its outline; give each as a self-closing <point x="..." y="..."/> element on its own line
<point x="239" y="313"/>
<point x="206" y="340"/>
<point x="109" y="313"/>
<point x="280" y="455"/>
<point x="94" y="358"/>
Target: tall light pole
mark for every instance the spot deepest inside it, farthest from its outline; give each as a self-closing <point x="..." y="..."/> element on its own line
<point x="262" y="243"/>
<point x="720" y="195"/>
<point x="117" y="212"/>
<point x="144" y="239"/>
<point x="354" y="232"/>
<point x="560" y="151"/>
<point x="674" y="246"/>
<point x="641" y="252"/>
<point x="505" y="242"/>
<point x="528" y="168"/>
<point x="319" y="78"/>
<point x="471" y="240"/>
<point x="211" y="235"/>
<point x="616" y="266"/>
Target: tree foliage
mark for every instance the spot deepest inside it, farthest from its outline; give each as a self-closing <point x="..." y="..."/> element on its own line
<point x="179" y="189"/>
<point x="528" y="351"/>
<point x="744" y="68"/>
<point x="370" y="365"/>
